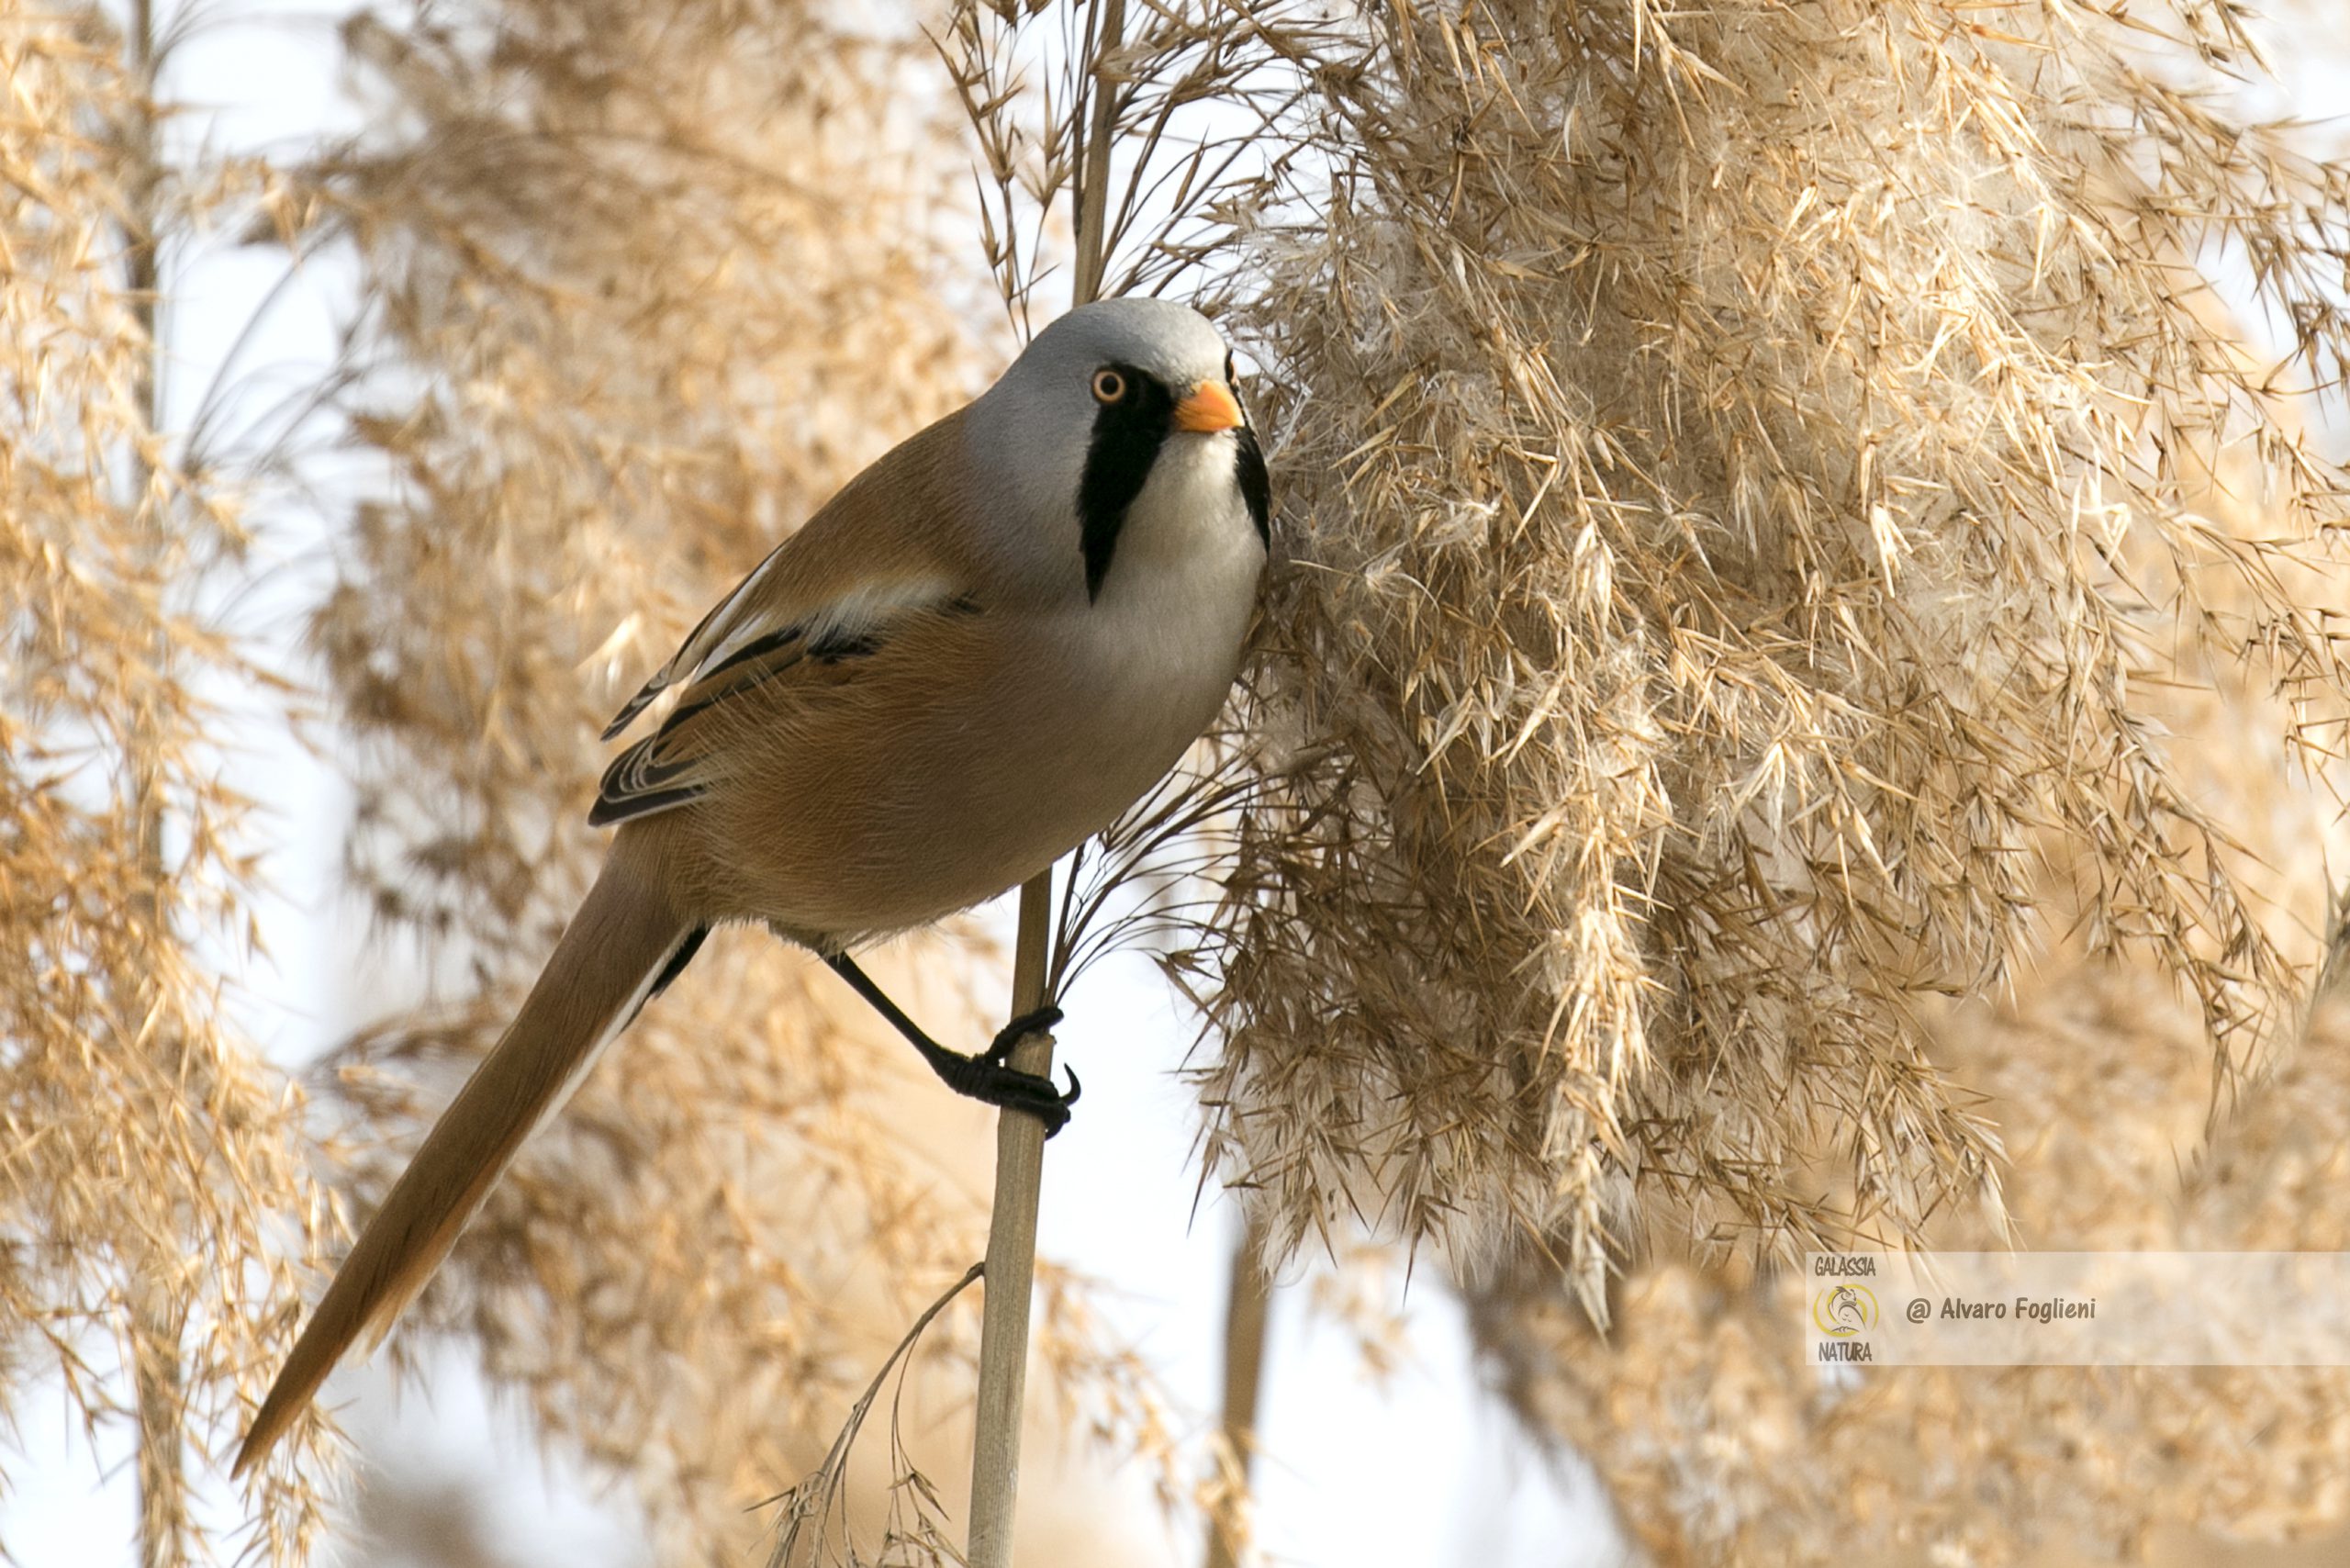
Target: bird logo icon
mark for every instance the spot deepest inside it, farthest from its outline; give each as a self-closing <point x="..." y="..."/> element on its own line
<point x="1841" y="1311"/>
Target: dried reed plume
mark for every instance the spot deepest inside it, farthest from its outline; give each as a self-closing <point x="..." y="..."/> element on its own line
<point x="1768" y="489"/>
<point x="155" y="1171"/>
<point x="1740" y="467"/>
<point x="1719" y="1446"/>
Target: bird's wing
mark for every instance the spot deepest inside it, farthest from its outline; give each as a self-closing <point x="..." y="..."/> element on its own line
<point x="785" y="660"/>
<point x="882" y="553"/>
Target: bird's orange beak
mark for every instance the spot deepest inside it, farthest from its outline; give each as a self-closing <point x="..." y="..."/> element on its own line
<point x="1210" y="407"/>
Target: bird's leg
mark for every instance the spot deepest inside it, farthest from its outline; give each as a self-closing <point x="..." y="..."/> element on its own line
<point x="986" y="1076"/>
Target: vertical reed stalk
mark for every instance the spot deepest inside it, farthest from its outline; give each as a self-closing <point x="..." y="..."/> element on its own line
<point x="1012" y="1260"/>
<point x="154" y="1320"/>
<point x="1020" y="1138"/>
<point x="1246" y="1306"/>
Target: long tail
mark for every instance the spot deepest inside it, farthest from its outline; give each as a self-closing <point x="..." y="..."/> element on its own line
<point x="625" y="943"/>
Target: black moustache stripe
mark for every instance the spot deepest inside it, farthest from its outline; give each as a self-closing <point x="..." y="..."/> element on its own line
<point x="1128" y="435"/>
<point x="1255" y="486"/>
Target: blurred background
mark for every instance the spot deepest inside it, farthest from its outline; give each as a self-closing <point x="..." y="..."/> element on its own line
<point x="392" y="386"/>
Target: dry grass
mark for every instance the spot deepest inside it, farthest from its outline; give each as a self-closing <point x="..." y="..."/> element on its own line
<point x="1720" y="1445"/>
<point x="641" y="287"/>
<point x="154" y="1171"/>
<point x="1742" y="467"/>
<point x="1781" y="539"/>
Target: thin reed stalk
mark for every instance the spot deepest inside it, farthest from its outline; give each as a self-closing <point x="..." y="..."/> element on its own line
<point x="155" y="1315"/>
<point x="1010" y="1268"/>
<point x="1020" y="1138"/>
<point x="1248" y="1312"/>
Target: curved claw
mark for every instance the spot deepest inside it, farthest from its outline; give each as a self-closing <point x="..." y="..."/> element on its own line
<point x="1058" y="1118"/>
<point x="1019" y="1029"/>
<point x="1051" y="1109"/>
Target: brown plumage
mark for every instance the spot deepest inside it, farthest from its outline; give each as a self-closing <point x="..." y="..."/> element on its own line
<point x="978" y="653"/>
<point x="624" y="929"/>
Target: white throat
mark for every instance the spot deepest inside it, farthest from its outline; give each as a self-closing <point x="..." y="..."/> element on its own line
<point x="1166" y="627"/>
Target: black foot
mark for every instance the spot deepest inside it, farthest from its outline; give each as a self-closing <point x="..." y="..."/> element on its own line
<point x="991" y="1082"/>
<point x="987" y="1076"/>
<point x="1019" y="1029"/>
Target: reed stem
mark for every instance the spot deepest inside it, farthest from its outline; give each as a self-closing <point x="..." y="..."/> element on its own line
<point x="1012" y="1259"/>
<point x="1020" y="1138"/>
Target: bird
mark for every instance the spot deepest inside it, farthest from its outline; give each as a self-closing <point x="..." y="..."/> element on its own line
<point x="972" y="658"/>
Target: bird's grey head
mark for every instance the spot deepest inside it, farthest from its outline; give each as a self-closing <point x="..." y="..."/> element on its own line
<point x="1172" y="344"/>
<point x="1076" y="426"/>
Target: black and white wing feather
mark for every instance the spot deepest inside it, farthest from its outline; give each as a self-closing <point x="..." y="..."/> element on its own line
<point x="752" y="642"/>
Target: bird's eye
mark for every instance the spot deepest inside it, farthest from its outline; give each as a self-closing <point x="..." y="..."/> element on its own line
<point x="1109" y="387"/>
